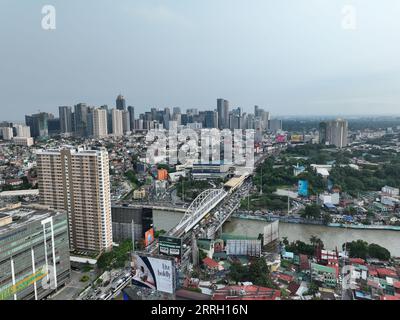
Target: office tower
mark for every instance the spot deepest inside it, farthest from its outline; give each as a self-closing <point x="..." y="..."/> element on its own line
<point x="100" y="126"/>
<point x="22" y="131"/>
<point x="81" y="117"/>
<point x="275" y="125"/>
<point x="258" y="126"/>
<point x="192" y="112"/>
<point x="223" y="113"/>
<point x="109" y="119"/>
<point x="211" y="119"/>
<point x="65" y="115"/>
<point x="6" y="124"/>
<point x="263" y="115"/>
<point x="117" y="122"/>
<point x="139" y="124"/>
<point x="235" y="119"/>
<point x="120" y="103"/>
<point x="131" y="111"/>
<point x="184" y="119"/>
<point x="77" y="180"/>
<point x="38" y="124"/>
<point x="34" y="249"/>
<point x="89" y="128"/>
<point x="126" y="124"/>
<point x="177" y="117"/>
<point x="166" y="118"/>
<point x="334" y="132"/>
<point x="54" y="126"/>
<point x="265" y="119"/>
<point x="7" y="133"/>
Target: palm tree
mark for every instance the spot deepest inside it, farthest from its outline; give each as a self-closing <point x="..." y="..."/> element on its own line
<point x="314" y="240"/>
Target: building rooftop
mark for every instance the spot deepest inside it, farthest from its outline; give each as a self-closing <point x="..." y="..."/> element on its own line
<point x="24" y="216"/>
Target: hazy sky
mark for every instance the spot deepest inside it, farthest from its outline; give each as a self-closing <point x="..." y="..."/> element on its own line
<point x="289" y="56"/>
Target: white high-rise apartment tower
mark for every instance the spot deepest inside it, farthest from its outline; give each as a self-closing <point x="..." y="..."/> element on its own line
<point x="117" y="122"/>
<point x="100" y="128"/>
<point x="77" y="181"/>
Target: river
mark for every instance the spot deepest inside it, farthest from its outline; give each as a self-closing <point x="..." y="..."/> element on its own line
<point x="331" y="236"/>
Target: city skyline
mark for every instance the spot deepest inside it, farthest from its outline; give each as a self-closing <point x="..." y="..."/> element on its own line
<point x="157" y="54"/>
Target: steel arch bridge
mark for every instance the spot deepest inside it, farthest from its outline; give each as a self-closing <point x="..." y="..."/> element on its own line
<point x="199" y="208"/>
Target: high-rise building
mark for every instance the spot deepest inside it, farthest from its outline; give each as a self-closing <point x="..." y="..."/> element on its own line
<point x="209" y="121"/>
<point x="100" y="126"/>
<point x="77" y="181"/>
<point x="334" y="133"/>
<point x="81" y="117"/>
<point x="22" y="131"/>
<point x="131" y="111"/>
<point x="54" y="126"/>
<point x="38" y="124"/>
<point x="275" y="125"/>
<point x="65" y="115"/>
<point x="121" y="103"/>
<point x="117" y="122"/>
<point x="34" y="250"/>
<point x="90" y="116"/>
<point x="7" y="133"/>
<point x="223" y="113"/>
<point x="126" y="124"/>
<point x="263" y="115"/>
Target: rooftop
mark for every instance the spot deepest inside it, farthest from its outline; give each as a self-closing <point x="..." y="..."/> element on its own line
<point x="24" y="216"/>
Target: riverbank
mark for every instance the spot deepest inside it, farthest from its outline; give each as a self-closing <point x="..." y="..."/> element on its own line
<point x="310" y="222"/>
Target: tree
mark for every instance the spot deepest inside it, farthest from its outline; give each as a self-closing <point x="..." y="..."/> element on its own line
<point x="259" y="273"/>
<point x="358" y="249"/>
<point x="378" y="252"/>
<point x="312" y="212"/>
<point x="326" y="218"/>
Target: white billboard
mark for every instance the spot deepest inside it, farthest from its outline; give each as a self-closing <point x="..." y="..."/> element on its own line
<point x="154" y="273"/>
<point x="271" y="232"/>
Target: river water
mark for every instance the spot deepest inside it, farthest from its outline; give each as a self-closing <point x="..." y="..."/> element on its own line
<point x="331" y="236"/>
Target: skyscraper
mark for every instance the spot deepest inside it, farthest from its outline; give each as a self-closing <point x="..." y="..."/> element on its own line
<point x="120" y="103"/>
<point x="38" y="124"/>
<point x="100" y="127"/>
<point x="211" y="119"/>
<point x="223" y="113"/>
<point x="77" y="181"/>
<point x="126" y="124"/>
<point x="65" y="115"/>
<point x="117" y="122"/>
<point x="89" y="127"/>
<point x="81" y="117"/>
<point x="334" y="132"/>
<point x="131" y="111"/>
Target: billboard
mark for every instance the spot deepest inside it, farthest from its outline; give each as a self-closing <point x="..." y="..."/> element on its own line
<point x="280" y="138"/>
<point x="271" y="232"/>
<point x="241" y="247"/>
<point x="303" y="188"/>
<point x="296" y="138"/>
<point x="152" y="272"/>
<point x="149" y="237"/>
<point x="162" y="174"/>
<point x="170" y="246"/>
